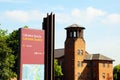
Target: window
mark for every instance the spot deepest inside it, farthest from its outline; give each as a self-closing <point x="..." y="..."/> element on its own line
<point x="61" y="63"/>
<point x="103" y="75"/>
<point x="80" y="52"/>
<point x="94" y="75"/>
<point x="94" y="64"/>
<point x="80" y="64"/>
<point x="89" y="64"/>
<point x="70" y="34"/>
<point x="89" y="75"/>
<point x="79" y="76"/>
<point x="75" y="34"/>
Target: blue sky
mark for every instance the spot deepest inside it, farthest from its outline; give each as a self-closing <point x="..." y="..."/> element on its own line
<point x="101" y="18"/>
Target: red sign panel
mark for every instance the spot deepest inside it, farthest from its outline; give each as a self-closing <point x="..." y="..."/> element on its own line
<point x="32" y="48"/>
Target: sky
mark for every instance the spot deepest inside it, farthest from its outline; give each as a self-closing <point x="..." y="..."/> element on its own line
<point x="101" y="18"/>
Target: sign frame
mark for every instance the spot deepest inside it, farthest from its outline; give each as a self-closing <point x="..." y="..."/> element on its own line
<point x="31" y="45"/>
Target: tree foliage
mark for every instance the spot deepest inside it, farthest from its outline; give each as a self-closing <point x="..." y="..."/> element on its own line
<point x="13" y="44"/>
<point x="6" y="57"/>
<point x="57" y="69"/>
<point x="116" y="72"/>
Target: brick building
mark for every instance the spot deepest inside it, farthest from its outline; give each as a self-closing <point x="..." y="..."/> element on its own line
<point x="77" y="63"/>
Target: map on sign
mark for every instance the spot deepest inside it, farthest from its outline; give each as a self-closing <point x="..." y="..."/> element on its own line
<point x="33" y="72"/>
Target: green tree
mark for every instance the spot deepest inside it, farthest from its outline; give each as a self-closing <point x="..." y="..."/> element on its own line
<point x="25" y="26"/>
<point x="13" y="44"/>
<point x="57" y="69"/>
<point x="116" y="72"/>
<point x="6" y="57"/>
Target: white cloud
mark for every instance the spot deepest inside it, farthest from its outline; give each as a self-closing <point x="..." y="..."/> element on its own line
<point x="80" y="16"/>
<point x="23" y="16"/>
<point x="83" y="17"/>
<point x="88" y="16"/>
<point x="94" y="12"/>
<point x="112" y="19"/>
<point x="17" y="15"/>
<point x="89" y="12"/>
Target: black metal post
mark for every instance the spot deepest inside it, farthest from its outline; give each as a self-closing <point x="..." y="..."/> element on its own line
<point x="48" y="26"/>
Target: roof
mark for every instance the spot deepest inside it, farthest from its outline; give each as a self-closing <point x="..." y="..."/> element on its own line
<point x="97" y="57"/>
<point x="59" y="53"/>
<point x="75" y="26"/>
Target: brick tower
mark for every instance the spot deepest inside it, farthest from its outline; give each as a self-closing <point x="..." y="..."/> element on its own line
<point x="74" y="52"/>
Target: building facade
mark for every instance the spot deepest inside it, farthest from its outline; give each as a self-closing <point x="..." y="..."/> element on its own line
<point x="77" y="63"/>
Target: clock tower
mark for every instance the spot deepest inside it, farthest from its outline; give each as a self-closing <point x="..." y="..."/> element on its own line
<point x="74" y="52"/>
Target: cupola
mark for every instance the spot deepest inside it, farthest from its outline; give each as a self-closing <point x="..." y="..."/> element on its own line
<point x="74" y="31"/>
